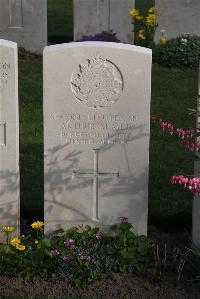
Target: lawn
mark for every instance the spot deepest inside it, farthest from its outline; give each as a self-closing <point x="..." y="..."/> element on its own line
<point x="60" y="21"/>
<point x="173" y="92"/>
<point x="31" y="136"/>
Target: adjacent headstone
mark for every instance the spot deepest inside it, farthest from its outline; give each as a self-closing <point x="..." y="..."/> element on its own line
<point x="24" y="22"/>
<point x="9" y="136"/>
<point x="95" y="16"/>
<point x="196" y="200"/>
<point x="177" y="17"/>
<point x="96" y="134"/>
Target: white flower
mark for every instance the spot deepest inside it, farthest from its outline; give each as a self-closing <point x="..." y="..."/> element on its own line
<point x="184" y="41"/>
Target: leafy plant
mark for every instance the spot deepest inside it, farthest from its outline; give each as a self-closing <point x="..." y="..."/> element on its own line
<point x="183" y="51"/>
<point x="81" y="254"/>
<point x="147" y="24"/>
<point x="189" y="262"/>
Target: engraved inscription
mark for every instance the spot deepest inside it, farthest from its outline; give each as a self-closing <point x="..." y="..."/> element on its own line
<point x="4" y="72"/>
<point x="16" y="13"/>
<point x="97" y="82"/>
<point x="95" y="129"/>
<point x="3" y="134"/>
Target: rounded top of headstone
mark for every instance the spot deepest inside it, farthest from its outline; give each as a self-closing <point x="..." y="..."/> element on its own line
<point x="98" y="44"/>
<point x="8" y="43"/>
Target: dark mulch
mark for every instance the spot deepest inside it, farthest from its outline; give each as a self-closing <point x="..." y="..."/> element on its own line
<point x="116" y="286"/>
<point x="24" y="54"/>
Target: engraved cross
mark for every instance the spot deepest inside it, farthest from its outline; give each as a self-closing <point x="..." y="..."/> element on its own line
<point x="95" y="175"/>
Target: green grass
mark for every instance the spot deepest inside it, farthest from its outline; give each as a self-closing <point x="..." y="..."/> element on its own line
<point x="31" y="135"/>
<point x="60" y="21"/>
<point x="173" y="92"/>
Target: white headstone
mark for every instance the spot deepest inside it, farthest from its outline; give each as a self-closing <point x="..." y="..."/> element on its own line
<point x="24" y="22"/>
<point x="196" y="200"/>
<point x="178" y="17"/>
<point x="95" y="16"/>
<point x="9" y="136"/>
<point x="96" y="134"/>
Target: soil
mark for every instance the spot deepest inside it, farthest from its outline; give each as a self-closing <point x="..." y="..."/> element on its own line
<point x="116" y="286"/>
<point x="24" y="54"/>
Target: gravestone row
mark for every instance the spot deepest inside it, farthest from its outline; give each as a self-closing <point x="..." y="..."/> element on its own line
<point x="25" y="21"/>
<point x="95" y="140"/>
<point x="96" y="135"/>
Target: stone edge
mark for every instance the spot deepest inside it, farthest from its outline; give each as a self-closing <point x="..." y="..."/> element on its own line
<point x="7" y="43"/>
<point x="91" y="44"/>
<point x="13" y="45"/>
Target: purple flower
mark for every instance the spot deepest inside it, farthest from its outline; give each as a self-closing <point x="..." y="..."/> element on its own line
<point x="85" y="258"/>
<point x="69" y="242"/>
<point x="54" y="252"/>
<point x="101" y="36"/>
<point x="66" y="258"/>
<point x="98" y="235"/>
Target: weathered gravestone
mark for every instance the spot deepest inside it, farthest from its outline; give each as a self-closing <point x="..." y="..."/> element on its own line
<point x="96" y="134"/>
<point x="24" y="22"/>
<point x="95" y="16"/>
<point x="9" y="136"/>
<point x="177" y="17"/>
<point x="196" y="200"/>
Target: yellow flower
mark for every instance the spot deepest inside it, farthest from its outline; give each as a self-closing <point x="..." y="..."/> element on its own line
<point x="139" y="18"/>
<point x="36" y="242"/>
<point x="37" y="225"/>
<point x="163" y="40"/>
<point x="151" y="20"/>
<point x="8" y="229"/>
<point x="141" y="34"/>
<point x="134" y="12"/>
<point x="153" y="9"/>
<point x="20" y="247"/>
<point x="15" y="241"/>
